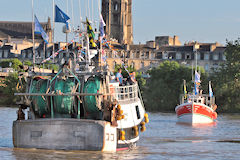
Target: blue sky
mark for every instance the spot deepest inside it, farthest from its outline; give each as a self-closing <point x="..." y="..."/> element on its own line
<point x="204" y="21"/>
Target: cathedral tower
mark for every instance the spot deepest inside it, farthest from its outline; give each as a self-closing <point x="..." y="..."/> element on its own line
<point x="118" y="17"/>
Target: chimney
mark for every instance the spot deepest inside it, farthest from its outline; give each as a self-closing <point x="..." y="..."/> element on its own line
<point x="175" y="40"/>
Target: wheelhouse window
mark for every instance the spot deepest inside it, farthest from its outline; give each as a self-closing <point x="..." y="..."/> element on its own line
<point x="116" y="6"/>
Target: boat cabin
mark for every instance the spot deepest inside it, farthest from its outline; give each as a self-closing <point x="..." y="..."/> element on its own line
<point x="203" y="99"/>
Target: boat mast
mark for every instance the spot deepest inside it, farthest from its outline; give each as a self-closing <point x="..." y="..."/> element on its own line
<point x="196" y="60"/>
<point x="67" y="30"/>
<point x="53" y="21"/>
<point x="100" y="39"/>
<point x="80" y="14"/>
<point x="192" y="73"/>
<point x="194" y="81"/>
<point x="33" y="35"/>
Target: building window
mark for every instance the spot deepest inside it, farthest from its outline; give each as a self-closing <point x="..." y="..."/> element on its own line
<point x="133" y="64"/>
<point x="152" y="55"/>
<point x="151" y="64"/>
<point x="215" y="57"/>
<point x="206" y="56"/>
<point x="223" y="57"/>
<point x="159" y="55"/>
<point x="142" y="65"/>
<point x="29" y="55"/>
<point x="147" y="55"/>
<point x="178" y="56"/>
<point x="198" y="56"/>
<point x="116" y="6"/>
<point x="1" y="53"/>
<point x="206" y="67"/>
<point x="188" y="56"/>
<point x="131" y="54"/>
<point x="165" y="55"/>
<point x="202" y="56"/>
<point x="215" y="65"/>
<point x="137" y="54"/>
<point x="114" y="65"/>
<point x="5" y="53"/>
<point x="142" y="55"/>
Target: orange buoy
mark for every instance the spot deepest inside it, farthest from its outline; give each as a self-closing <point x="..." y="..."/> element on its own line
<point x="119" y="117"/>
<point x="143" y="128"/>
<point x="118" y="107"/>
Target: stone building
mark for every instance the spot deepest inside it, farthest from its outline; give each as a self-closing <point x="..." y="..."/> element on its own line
<point x="146" y="56"/>
<point x="19" y="35"/>
<point x="167" y="41"/>
<point x="118" y="17"/>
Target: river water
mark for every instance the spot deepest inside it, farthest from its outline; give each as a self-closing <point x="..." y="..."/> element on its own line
<point x="163" y="139"/>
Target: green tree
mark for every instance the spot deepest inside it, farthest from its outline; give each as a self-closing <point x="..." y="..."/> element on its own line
<point x="11" y="63"/>
<point x="9" y="88"/>
<point x="124" y="72"/>
<point x="226" y="80"/>
<point x="28" y="63"/>
<point x="163" y="89"/>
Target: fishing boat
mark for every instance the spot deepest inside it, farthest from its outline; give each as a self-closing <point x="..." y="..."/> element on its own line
<point x="78" y="107"/>
<point x="196" y="107"/>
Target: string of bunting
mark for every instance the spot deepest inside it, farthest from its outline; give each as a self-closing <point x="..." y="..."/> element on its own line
<point x="61" y="49"/>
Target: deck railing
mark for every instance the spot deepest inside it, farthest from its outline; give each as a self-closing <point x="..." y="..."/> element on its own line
<point x="204" y="98"/>
<point x="125" y="93"/>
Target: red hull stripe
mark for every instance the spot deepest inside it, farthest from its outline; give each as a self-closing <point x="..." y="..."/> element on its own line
<point x="122" y="149"/>
<point x="197" y="109"/>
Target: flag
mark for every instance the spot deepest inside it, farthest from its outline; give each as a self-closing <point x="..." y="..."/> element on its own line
<point x="91" y="34"/>
<point x="196" y="89"/>
<point x="210" y="90"/>
<point x="197" y="77"/>
<point x="185" y="89"/>
<point x="39" y="30"/>
<point x="60" y="16"/>
<point x="101" y="27"/>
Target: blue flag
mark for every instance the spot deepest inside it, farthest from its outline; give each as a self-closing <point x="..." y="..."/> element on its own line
<point x="60" y="16"/>
<point x="39" y="30"/>
<point x="196" y="88"/>
<point x="101" y="27"/>
<point x="197" y="77"/>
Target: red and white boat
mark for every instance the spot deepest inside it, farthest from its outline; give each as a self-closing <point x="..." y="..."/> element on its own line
<point x="196" y="109"/>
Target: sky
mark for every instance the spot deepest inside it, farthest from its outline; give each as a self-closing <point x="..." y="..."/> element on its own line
<point x="191" y="20"/>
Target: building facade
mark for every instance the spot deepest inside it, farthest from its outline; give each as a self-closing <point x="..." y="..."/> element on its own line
<point x="19" y="35"/>
<point x="146" y="56"/>
<point x="118" y="17"/>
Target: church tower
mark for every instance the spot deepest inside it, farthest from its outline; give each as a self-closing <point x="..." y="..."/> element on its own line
<point x="118" y="17"/>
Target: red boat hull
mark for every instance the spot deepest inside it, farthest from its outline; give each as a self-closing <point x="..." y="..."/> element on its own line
<point x="195" y="113"/>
